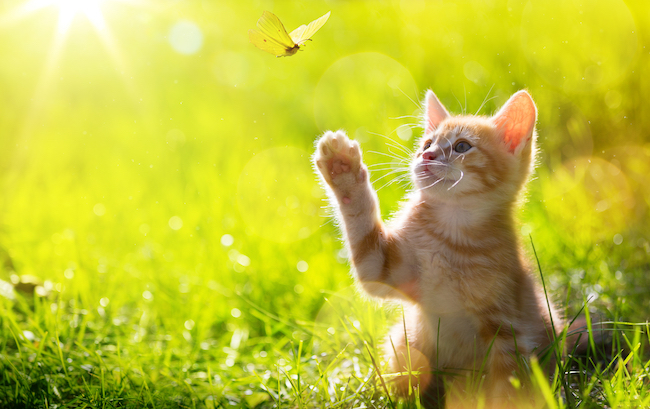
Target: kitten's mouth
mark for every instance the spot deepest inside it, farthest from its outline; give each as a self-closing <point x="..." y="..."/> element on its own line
<point x="432" y="169"/>
<point x="434" y="174"/>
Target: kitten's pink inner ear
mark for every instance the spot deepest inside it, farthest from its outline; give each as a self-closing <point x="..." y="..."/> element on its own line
<point x="435" y="112"/>
<point x="516" y="120"/>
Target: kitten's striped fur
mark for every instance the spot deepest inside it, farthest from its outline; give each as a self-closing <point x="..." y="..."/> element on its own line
<point x="452" y="253"/>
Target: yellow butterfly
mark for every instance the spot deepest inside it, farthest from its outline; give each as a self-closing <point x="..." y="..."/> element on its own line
<point x="273" y="37"/>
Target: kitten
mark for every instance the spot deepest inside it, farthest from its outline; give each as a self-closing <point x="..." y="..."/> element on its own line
<point x="452" y="251"/>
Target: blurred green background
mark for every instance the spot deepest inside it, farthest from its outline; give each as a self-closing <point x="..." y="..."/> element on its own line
<point x="155" y="166"/>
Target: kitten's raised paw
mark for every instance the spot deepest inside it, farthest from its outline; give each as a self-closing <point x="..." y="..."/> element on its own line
<point x="339" y="160"/>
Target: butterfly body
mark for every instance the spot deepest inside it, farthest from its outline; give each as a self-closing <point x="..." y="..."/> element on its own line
<point x="273" y="38"/>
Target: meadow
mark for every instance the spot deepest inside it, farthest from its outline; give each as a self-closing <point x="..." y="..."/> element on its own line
<point x="164" y="240"/>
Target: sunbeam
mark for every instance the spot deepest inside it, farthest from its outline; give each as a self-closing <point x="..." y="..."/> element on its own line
<point x="68" y="12"/>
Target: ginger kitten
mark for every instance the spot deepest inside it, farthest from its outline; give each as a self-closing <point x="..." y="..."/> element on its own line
<point x="451" y="253"/>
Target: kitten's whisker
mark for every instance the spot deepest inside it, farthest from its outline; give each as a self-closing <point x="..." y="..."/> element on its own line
<point x="401" y="163"/>
<point x="406" y="151"/>
<point x="459" y="104"/>
<point x="392" y="156"/>
<point x="393" y="168"/>
<point x="465" y="108"/>
<point x="392" y="181"/>
<point x="396" y="171"/>
<point x="405" y="116"/>
<point x="459" y="179"/>
<point x="444" y="155"/>
<point x="431" y="185"/>
<point x="374" y="165"/>
<point x="461" y="156"/>
<point x="388" y="138"/>
<point x="385" y="136"/>
<point x="485" y="101"/>
<point x="407" y="158"/>
<point x="392" y="172"/>
<point x="377" y="169"/>
<point x="411" y="99"/>
<point x="410" y="124"/>
<point x="380" y="134"/>
<point x="399" y="178"/>
<point x="395" y="144"/>
<point x="385" y="184"/>
<point x="403" y="182"/>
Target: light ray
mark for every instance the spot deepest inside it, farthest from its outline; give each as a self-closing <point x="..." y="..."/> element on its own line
<point x="68" y="11"/>
<point x="43" y="87"/>
<point x="113" y="50"/>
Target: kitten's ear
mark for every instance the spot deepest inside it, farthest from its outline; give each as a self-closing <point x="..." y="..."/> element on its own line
<point x="434" y="112"/>
<point x="515" y="121"/>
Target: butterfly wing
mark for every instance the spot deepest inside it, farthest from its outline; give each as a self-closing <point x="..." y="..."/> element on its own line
<point x="305" y="32"/>
<point x="296" y="34"/>
<point x="271" y="27"/>
<point x="268" y="44"/>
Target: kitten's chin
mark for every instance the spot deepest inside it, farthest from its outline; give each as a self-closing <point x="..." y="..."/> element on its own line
<point x="434" y="181"/>
<point x="436" y="185"/>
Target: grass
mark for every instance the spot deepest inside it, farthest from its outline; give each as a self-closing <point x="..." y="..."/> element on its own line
<point x="163" y="238"/>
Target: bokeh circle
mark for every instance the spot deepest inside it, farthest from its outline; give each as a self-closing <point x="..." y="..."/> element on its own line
<point x="364" y="89"/>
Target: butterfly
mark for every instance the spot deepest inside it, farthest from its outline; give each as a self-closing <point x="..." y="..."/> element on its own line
<point x="273" y="37"/>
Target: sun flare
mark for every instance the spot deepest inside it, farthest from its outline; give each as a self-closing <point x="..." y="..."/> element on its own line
<point x="68" y="11"/>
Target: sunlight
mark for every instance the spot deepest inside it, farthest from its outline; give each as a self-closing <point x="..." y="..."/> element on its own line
<point x="68" y="9"/>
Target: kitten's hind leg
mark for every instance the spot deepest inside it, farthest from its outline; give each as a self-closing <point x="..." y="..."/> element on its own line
<point x="411" y="360"/>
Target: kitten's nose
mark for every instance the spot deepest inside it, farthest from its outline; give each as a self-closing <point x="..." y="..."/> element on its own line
<point x="431" y="154"/>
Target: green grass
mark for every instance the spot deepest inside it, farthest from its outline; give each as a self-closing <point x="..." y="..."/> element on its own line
<point x="167" y="207"/>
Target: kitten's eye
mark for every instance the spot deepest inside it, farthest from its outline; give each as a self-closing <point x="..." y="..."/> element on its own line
<point x="462" y="147"/>
<point x="427" y="145"/>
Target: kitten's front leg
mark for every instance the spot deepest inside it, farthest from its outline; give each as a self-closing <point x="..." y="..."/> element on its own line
<point x="378" y="255"/>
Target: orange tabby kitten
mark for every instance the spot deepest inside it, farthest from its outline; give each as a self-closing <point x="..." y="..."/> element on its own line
<point x="452" y="252"/>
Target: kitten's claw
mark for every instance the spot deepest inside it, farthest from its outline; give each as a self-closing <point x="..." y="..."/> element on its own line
<point x="339" y="160"/>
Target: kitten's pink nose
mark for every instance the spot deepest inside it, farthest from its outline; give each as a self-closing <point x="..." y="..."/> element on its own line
<point x="430" y="154"/>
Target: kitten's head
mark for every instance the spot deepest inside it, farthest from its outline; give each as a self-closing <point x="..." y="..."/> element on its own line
<point x="465" y="156"/>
